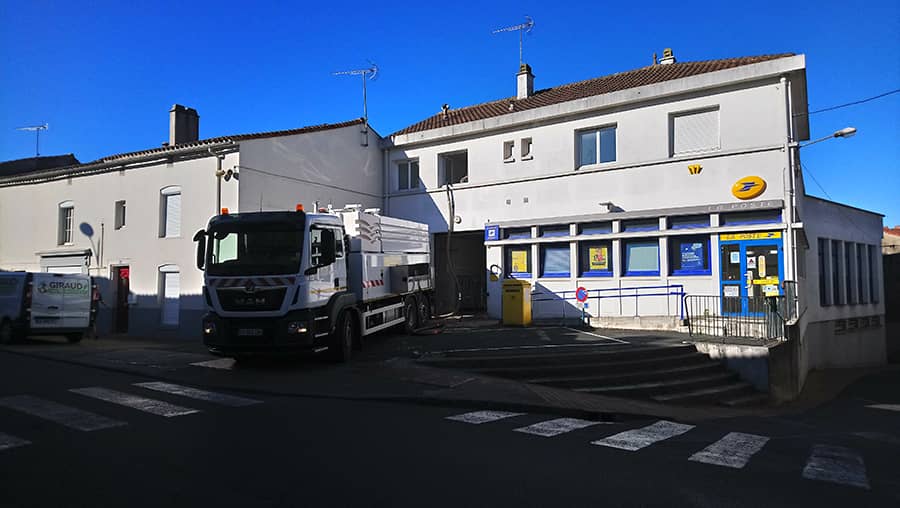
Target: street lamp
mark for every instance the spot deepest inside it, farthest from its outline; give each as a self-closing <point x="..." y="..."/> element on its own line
<point x="846" y="132"/>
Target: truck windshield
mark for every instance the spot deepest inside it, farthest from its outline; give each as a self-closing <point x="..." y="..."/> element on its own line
<point x="255" y="252"/>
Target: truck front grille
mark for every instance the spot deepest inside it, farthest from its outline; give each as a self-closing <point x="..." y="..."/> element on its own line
<point x="237" y="299"/>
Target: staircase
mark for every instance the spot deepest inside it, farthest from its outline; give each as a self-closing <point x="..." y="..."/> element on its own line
<point x="677" y="375"/>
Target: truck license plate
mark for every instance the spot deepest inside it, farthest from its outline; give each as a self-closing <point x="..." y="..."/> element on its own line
<point x="250" y="332"/>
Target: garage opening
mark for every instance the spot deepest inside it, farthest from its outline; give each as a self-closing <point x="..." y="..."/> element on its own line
<point x="469" y="260"/>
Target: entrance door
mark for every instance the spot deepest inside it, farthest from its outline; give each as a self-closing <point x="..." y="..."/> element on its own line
<point x="122" y="275"/>
<point x="752" y="266"/>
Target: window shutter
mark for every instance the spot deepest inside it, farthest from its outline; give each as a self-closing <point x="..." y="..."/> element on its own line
<point x="696" y="132"/>
<point x="171" y="297"/>
<point x="173" y="215"/>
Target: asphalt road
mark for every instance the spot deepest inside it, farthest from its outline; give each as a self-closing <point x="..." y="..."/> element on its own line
<point x="114" y="443"/>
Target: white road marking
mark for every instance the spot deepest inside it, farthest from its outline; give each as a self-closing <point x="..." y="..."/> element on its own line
<point x="598" y="335"/>
<point x="7" y="442"/>
<point x="152" y="406"/>
<point x="636" y="439"/>
<point x="195" y="393"/>
<point x="734" y="450"/>
<point x="55" y="412"/>
<point x="836" y="464"/>
<point x="220" y="363"/>
<point x="479" y="417"/>
<point x="556" y="427"/>
<point x="516" y="348"/>
<point x="887" y="407"/>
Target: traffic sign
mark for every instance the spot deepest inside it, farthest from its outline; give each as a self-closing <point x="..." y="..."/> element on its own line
<point x="581" y="294"/>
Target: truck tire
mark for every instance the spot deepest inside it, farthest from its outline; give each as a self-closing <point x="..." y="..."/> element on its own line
<point x="343" y="338"/>
<point x="6" y="332"/>
<point x="424" y="309"/>
<point x="74" y="338"/>
<point x="411" y="314"/>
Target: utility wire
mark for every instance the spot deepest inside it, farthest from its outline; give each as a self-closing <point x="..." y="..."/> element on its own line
<point x="806" y="170"/>
<point x="854" y="103"/>
<point x="311" y="182"/>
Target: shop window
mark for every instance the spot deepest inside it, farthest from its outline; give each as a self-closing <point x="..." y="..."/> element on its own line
<point x="596" y="146"/>
<point x="594" y="259"/>
<point x="689" y="255"/>
<point x="641" y="257"/>
<point x="517" y="233"/>
<point x="750" y="218"/>
<point x="823" y="276"/>
<point x="554" y="231"/>
<point x="689" y="221"/>
<point x="595" y="228"/>
<point x="518" y="261"/>
<point x="630" y="226"/>
<point x="695" y="131"/>
<point x="555" y="260"/>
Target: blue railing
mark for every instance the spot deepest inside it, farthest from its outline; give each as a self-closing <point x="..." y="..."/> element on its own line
<point x="598" y="294"/>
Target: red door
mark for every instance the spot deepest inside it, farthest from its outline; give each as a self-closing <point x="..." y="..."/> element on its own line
<point x="122" y="276"/>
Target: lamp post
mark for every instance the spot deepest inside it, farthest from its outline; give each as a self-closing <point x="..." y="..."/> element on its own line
<point x="846" y="132"/>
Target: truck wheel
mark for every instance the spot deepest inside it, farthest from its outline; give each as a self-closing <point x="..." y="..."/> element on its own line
<point x="424" y="308"/>
<point x="411" y="313"/>
<point x="341" y="347"/>
<point x="74" y="338"/>
<point x="6" y="332"/>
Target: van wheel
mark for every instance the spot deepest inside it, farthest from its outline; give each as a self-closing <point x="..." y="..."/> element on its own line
<point x="411" y="313"/>
<point x="341" y="347"/>
<point x="74" y="338"/>
<point x="6" y="332"/>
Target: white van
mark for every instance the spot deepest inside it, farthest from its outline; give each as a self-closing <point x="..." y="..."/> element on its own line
<point x="45" y="304"/>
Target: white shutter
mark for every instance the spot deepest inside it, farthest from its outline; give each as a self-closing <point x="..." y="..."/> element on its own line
<point x="173" y="215"/>
<point x="65" y="269"/>
<point x="696" y="132"/>
<point x="171" y="304"/>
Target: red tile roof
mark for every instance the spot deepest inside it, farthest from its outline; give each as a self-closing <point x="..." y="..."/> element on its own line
<point x="588" y="88"/>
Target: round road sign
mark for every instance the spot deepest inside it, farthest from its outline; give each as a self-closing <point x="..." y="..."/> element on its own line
<point x="581" y="294"/>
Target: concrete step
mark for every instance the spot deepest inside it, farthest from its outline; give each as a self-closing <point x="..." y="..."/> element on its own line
<point x="594" y="368"/>
<point x="709" y="394"/>
<point x="530" y="357"/>
<point x="655" y="373"/>
<point x="655" y="389"/>
<point x="753" y="399"/>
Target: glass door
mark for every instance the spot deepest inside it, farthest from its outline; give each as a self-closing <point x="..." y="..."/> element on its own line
<point x="751" y="269"/>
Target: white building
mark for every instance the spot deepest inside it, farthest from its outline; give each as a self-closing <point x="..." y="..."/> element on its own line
<point x="129" y="219"/>
<point x="642" y="187"/>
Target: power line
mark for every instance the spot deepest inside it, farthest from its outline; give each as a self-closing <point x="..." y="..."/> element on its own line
<point x="854" y="103"/>
<point x="806" y="170"/>
<point x="311" y="182"/>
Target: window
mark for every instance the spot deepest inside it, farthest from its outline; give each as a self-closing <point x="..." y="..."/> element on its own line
<point x="518" y="261"/>
<point x="595" y="228"/>
<point x="836" y="273"/>
<point x="823" y="290"/>
<point x="555" y="231"/>
<point x="689" y="221"/>
<point x="860" y="281"/>
<point x="120" y="214"/>
<point x="641" y="257"/>
<point x="315" y="246"/>
<point x="408" y="175"/>
<point x="525" y="148"/>
<point x="596" y="146"/>
<point x="66" y="223"/>
<point x="874" y="285"/>
<point x="454" y="167"/>
<point x="697" y="131"/>
<point x="508" y="147"/>
<point x="689" y="255"/>
<point x="750" y="218"/>
<point x="848" y="272"/>
<point x="517" y="233"/>
<point x="170" y="294"/>
<point x="170" y="212"/>
<point x="338" y="244"/>
<point x="594" y="259"/>
<point x="555" y="260"/>
<point x="640" y="225"/>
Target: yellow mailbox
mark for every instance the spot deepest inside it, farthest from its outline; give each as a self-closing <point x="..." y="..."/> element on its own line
<point x="516" y="302"/>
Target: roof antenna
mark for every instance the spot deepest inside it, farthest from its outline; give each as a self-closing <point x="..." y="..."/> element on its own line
<point x="372" y="73"/>
<point x="37" y="133"/>
<point x="521" y="28"/>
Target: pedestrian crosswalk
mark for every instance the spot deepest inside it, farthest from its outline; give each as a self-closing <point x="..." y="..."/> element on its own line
<point x="734" y="450"/>
<point x="89" y="421"/>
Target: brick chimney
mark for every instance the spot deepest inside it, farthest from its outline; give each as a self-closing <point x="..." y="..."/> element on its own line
<point x="524" y="82"/>
<point x="184" y="125"/>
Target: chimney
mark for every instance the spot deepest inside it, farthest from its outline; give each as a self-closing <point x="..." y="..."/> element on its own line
<point x="668" y="57"/>
<point x="184" y="125"/>
<point x="524" y="82"/>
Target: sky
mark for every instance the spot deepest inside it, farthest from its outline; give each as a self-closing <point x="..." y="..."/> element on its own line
<point x="104" y="74"/>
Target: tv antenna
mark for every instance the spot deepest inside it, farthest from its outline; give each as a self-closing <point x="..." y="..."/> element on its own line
<point x="522" y="28"/>
<point x="370" y="72"/>
<point x="37" y="134"/>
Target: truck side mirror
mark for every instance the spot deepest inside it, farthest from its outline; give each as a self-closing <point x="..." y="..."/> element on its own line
<point x="200" y="238"/>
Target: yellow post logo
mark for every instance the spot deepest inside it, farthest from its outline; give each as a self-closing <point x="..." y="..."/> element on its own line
<point x="748" y="187"/>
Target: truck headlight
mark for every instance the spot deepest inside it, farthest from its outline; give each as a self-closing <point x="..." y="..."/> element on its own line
<point x="209" y="328"/>
<point x="295" y="327"/>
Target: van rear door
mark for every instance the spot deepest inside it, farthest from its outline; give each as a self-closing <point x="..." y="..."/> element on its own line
<point x="46" y="301"/>
<point x="11" y="293"/>
<point x="76" y="301"/>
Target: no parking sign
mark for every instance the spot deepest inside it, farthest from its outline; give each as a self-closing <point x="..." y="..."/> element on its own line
<point x="581" y="294"/>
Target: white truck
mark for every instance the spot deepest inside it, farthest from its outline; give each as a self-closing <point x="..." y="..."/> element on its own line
<point x="296" y="281"/>
<point x="46" y="304"/>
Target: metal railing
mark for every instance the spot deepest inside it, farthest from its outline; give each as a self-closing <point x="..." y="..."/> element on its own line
<point x="740" y="316"/>
<point x="636" y="292"/>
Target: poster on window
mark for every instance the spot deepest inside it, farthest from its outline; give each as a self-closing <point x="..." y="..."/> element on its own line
<point x="520" y="261"/>
<point x="692" y="256"/>
<point x="599" y="259"/>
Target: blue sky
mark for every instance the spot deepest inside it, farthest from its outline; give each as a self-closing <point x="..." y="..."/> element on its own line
<point x="104" y="74"/>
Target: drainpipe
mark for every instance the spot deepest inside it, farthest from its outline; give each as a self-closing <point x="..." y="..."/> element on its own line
<point x="790" y="202"/>
<point x="219" y="174"/>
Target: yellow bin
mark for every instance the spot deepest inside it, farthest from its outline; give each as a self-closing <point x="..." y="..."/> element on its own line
<point x="516" y="302"/>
